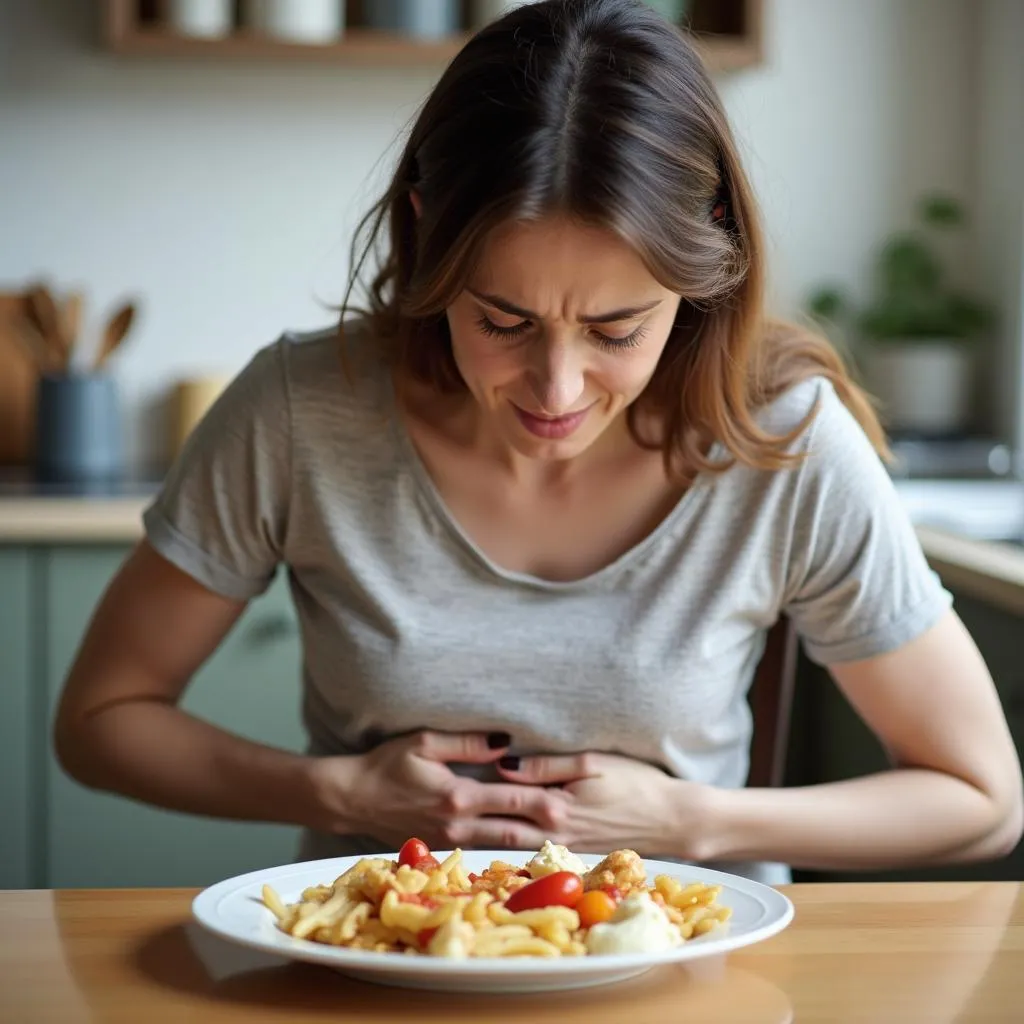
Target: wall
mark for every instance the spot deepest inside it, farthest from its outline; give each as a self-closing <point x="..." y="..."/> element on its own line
<point x="223" y="195"/>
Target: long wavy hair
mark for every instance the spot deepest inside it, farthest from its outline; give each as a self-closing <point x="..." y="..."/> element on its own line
<point x="602" y="111"/>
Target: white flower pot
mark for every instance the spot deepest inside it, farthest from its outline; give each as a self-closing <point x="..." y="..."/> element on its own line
<point x="206" y="19"/>
<point x="297" y="21"/>
<point x="924" y="387"/>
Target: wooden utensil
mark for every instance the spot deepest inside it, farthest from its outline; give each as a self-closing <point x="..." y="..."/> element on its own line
<point x="72" y="320"/>
<point x="114" y="333"/>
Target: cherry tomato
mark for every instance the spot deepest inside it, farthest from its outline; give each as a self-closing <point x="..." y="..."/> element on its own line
<point x="595" y="906"/>
<point x="427" y="864"/>
<point x="561" y="889"/>
<point x="413" y="851"/>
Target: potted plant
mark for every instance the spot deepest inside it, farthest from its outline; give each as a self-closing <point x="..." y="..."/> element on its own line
<point x="918" y="332"/>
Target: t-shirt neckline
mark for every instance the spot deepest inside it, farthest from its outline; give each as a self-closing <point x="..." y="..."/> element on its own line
<point x="425" y="483"/>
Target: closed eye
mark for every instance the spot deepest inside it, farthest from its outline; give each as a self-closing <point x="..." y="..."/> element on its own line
<point x="631" y="340"/>
<point x="606" y="341"/>
<point x="494" y="330"/>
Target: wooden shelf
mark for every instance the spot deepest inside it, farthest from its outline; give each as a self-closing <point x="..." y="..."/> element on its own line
<point x="361" y="46"/>
<point x="728" y="34"/>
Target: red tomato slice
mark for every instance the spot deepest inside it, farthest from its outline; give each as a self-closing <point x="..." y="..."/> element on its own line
<point x="613" y="891"/>
<point x="473" y="877"/>
<point x="413" y="851"/>
<point x="561" y="889"/>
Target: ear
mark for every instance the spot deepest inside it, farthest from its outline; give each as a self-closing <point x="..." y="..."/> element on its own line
<point x="417" y="202"/>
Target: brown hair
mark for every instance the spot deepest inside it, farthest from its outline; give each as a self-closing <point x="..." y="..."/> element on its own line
<point x="602" y="111"/>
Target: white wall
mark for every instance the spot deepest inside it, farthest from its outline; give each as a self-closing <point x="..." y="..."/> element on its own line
<point x="223" y="195"/>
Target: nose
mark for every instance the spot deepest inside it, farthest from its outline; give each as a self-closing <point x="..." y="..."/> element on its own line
<point x="557" y="378"/>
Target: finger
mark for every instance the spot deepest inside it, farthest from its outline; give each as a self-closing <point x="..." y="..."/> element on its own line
<point x="462" y="747"/>
<point x="496" y="834"/>
<point x="542" y="807"/>
<point x="549" y="769"/>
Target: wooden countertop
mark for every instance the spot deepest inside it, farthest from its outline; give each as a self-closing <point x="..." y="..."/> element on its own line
<point x="917" y="952"/>
<point x="72" y="519"/>
<point x="984" y="569"/>
<point x="987" y="570"/>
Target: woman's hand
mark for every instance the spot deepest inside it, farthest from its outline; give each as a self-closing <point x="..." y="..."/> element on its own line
<point x="606" y="802"/>
<point x="405" y="788"/>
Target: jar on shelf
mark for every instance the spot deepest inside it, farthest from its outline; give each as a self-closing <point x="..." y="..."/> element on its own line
<point x="421" y="19"/>
<point x="297" y="21"/>
<point x="483" y="12"/>
<point x="675" y="10"/>
<point x="203" y="19"/>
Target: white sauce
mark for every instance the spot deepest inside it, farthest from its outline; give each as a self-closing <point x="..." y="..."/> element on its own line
<point x="551" y="858"/>
<point x="639" y="925"/>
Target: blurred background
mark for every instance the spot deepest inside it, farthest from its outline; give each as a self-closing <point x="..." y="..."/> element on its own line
<point x="179" y="181"/>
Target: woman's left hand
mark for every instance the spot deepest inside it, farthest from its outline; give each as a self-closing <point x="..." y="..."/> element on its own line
<point x="607" y="802"/>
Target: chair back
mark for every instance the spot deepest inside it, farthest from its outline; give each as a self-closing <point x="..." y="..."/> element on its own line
<point x="771" y="703"/>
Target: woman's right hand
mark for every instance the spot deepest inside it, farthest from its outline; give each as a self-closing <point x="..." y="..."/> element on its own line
<point x="405" y="788"/>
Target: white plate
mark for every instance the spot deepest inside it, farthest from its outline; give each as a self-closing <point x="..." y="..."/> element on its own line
<point x="233" y="909"/>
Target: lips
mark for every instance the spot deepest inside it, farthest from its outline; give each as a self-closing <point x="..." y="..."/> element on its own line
<point x="550" y="427"/>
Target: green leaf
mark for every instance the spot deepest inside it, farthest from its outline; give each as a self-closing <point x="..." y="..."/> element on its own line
<point x="827" y="304"/>
<point x="941" y="211"/>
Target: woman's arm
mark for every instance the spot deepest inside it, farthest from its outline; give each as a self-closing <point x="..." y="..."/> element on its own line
<point x="118" y="727"/>
<point x="953" y="795"/>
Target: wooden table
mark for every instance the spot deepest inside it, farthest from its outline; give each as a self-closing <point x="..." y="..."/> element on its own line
<point x="899" y="953"/>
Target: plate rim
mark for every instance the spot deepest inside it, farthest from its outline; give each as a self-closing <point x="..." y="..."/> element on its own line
<point x="205" y="903"/>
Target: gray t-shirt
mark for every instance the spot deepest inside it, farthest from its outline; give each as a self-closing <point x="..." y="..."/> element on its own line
<point x="406" y="624"/>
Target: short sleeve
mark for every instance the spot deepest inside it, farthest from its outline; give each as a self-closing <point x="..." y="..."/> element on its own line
<point x="221" y="513"/>
<point x="858" y="583"/>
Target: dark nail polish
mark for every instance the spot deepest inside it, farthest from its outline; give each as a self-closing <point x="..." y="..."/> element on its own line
<point x="497" y="740"/>
<point x="509" y="763"/>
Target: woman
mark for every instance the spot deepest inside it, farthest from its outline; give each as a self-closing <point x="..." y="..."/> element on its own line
<point x="540" y="510"/>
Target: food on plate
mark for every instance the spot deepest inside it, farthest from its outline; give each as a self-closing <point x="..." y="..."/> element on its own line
<point x="551" y="858"/>
<point x="638" y="925"/>
<point x="417" y="905"/>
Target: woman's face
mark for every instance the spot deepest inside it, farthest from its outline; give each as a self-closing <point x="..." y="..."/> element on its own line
<point x="558" y="330"/>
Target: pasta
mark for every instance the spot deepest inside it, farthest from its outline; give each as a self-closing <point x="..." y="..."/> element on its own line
<point x="440" y="909"/>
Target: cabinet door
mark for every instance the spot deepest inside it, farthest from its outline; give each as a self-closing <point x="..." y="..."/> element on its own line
<point x="840" y="746"/>
<point x="15" y="719"/>
<point x="250" y="685"/>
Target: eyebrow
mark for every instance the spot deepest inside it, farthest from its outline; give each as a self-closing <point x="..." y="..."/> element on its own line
<point x="627" y="313"/>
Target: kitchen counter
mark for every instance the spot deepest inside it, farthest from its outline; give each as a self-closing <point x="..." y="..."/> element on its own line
<point x="34" y="512"/>
<point x="989" y="570"/>
<point x="935" y="952"/>
<point x="66" y="519"/>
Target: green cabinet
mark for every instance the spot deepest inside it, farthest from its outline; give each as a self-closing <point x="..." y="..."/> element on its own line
<point x="830" y="742"/>
<point x="250" y="686"/>
<point x="56" y="833"/>
<point x="16" y="720"/>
